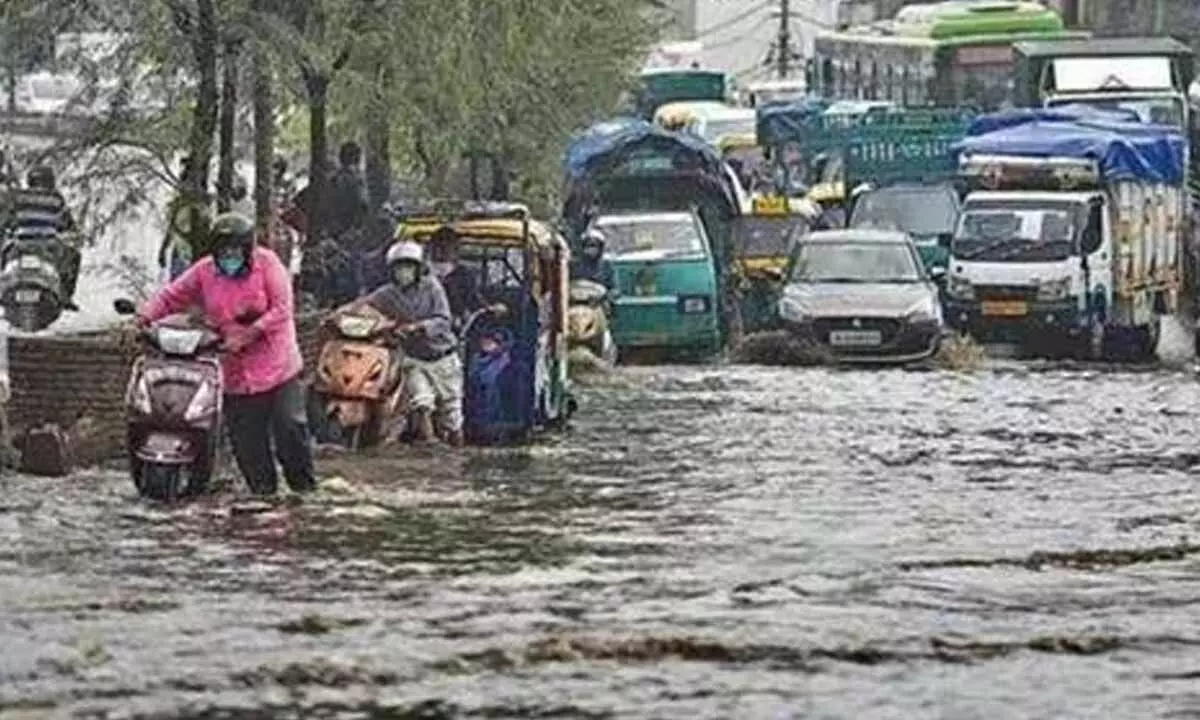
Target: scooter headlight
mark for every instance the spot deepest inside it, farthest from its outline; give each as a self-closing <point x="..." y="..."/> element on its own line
<point x="139" y="396"/>
<point x="204" y="403"/>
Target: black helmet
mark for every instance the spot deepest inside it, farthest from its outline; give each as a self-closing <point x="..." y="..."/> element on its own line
<point x="232" y="230"/>
<point x="40" y="177"/>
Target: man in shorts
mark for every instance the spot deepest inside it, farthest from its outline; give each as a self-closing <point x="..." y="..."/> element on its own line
<point x="433" y="370"/>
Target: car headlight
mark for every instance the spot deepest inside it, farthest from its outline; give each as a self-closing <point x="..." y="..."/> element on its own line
<point x="960" y="288"/>
<point x="1054" y="289"/>
<point x="927" y="310"/>
<point x="791" y="309"/>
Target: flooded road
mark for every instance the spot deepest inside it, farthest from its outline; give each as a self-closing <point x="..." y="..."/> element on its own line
<point x="1019" y="542"/>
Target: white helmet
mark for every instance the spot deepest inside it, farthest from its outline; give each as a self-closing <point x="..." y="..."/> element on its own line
<point x="405" y="250"/>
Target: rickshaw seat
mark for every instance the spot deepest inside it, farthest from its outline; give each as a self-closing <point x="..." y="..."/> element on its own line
<point x="499" y="402"/>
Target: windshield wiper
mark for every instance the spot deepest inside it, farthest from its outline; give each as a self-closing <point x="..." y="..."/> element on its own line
<point x="989" y="246"/>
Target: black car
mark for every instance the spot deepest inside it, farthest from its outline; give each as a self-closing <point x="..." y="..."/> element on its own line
<point x="862" y="294"/>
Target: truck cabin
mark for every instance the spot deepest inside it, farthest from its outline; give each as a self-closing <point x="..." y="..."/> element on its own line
<point x="1029" y="209"/>
<point x="1149" y="75"/>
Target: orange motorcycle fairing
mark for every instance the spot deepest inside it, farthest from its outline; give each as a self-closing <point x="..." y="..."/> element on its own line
<point x="353" y="370"/>
<point x="348" y="413"/>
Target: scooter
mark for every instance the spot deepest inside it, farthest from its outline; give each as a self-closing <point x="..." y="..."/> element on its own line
<point x="173" y="408"/>
<point x="587" y="320"/>
<point x="31" y="288"/>
<point x="359" y="379"/>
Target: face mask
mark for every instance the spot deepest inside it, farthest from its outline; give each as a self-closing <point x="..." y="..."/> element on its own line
<point x="231" y="264"/>
<point x="591" y="252"/>
<point x="405" y="275"/>
<point x="443" y="268"/>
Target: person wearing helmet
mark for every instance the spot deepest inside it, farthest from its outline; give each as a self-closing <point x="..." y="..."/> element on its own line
<point x="434" y="375"/>
<point x="245" y="294"/>
<point x="40" y="211"/>
<point x="592" y="265"/>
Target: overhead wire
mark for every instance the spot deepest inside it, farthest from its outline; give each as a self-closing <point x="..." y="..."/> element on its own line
<point x="730" y="22"/>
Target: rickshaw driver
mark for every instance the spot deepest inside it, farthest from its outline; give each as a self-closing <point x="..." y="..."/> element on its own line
<point x="434" y="373"/>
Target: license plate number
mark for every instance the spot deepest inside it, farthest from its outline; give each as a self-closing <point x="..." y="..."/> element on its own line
<point x="857" y="338"/>
<point x="1015" y="308"/>
<point x="27" y="297"/>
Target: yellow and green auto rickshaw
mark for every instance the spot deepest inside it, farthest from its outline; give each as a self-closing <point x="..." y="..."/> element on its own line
<point x="515" y="365"/>
<point x="762" y="242"/>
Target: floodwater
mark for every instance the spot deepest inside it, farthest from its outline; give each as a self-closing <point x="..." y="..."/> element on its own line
<point x="732" y="542"/>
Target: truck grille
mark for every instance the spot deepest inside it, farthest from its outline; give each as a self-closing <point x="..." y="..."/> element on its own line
<point x="1005" y="292"/>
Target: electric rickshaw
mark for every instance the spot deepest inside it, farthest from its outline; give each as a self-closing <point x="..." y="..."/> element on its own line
<point x="515" y="363"/>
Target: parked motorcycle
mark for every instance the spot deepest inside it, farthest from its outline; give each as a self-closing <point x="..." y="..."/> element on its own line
<point x="31" y="288"/>
<point x="358" y="384"/>
<point x="587" y="320"/>
<point x="173" y="408"/>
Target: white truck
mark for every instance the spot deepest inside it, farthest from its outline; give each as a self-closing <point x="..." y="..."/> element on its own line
<point x="1069" y="230"/>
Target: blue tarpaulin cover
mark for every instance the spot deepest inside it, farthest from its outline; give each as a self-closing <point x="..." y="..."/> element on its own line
<point x="780" y="122"/>
<point x="609" y="140"/>
<point x="1123" y="150"/>
<point x="1064" y="113"/>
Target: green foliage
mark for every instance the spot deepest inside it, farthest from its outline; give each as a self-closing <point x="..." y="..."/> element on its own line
<point x="515" y="78"/>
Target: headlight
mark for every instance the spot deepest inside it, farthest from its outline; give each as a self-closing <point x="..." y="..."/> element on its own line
<point x="139" y="396"/>
<point x="1054" y="289"/>
<point x="203" y="403"/>
<point x="925" y="311"/>
<point x="960" y="288"/>
<point x="791" y="309"/>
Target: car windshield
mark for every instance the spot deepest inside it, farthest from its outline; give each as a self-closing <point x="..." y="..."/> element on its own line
<point x="855" y="262"/>
<point x="1017" y="231"/>
<point x="714" y="129"/>
<point x="667" y="236"/>
<point x="918" y="211"/>
<point x="765" y="236"/>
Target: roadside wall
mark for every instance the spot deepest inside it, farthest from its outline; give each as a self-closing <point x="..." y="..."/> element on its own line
<point x="68" y="379"/>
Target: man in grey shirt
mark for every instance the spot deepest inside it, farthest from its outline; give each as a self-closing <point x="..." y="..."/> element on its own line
<point x="433" y="370"/>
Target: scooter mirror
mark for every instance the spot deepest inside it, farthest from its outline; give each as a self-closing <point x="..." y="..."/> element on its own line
<point x="124" y="306"/>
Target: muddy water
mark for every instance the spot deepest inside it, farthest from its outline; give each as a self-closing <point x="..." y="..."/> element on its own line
<point x="708" y="543"/>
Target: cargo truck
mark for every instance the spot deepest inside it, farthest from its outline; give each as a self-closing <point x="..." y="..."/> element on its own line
<point x="1070" y="229"/>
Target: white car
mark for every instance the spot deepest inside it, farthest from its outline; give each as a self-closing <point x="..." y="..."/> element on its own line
<point x="47" y="94"/>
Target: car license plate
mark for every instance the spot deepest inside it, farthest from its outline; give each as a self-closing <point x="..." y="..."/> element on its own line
<point x="855" y="338"/>
<point x="28" y="262"/>
<point x="27" y="297"/>
<point x="1015" y="308"/>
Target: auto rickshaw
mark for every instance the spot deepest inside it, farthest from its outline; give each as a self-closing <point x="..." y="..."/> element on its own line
<point x="515" y="365"/>
<point x="762" y="244"/>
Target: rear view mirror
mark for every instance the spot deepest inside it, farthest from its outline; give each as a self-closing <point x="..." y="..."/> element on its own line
<point x="1093" y="232"/>
<point x="124" y="306"/>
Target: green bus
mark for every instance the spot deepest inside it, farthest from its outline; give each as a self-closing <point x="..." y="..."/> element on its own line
<point x="659" y="86"/>
<point x="946" y="54"/>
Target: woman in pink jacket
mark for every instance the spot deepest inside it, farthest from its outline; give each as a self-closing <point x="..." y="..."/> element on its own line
<point x="245" y="293"/>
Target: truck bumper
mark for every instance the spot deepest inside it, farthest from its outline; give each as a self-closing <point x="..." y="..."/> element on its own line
<point x="1041" y="318"/>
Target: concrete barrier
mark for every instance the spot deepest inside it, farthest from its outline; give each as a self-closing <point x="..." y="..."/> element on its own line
<point x="45" y="126"/>
<point x="68" y="379"/>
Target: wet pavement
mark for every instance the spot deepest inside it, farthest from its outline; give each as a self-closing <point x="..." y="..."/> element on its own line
<point x="737" y="542"/>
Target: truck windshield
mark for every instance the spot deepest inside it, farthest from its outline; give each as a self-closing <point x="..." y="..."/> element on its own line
<point x="1018" y="231"/>
<point x="918" y="211"/>
<point x="1159" y="109"/>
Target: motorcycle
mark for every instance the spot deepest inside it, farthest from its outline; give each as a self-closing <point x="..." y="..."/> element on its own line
<point x="31" y="288"/>
<point x="359" y="379"/>
<point x="173" y="408"/>
<point x="587" y="320"/>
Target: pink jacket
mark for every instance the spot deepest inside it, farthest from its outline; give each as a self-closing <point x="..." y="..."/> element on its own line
<point x="273" y="357"/>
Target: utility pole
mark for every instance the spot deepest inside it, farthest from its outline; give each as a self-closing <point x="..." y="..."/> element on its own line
<point x="784" y="53"/>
